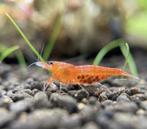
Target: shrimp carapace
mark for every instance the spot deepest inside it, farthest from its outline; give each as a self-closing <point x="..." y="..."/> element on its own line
<point x="83" y="74"/>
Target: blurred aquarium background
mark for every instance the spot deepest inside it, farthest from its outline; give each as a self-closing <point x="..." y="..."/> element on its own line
<point x="73" y="29"/>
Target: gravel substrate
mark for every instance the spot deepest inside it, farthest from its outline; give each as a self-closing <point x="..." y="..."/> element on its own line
<point x="116" y="104"/>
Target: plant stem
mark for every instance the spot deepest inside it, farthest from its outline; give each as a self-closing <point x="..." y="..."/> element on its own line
<point x="24" y="36"/>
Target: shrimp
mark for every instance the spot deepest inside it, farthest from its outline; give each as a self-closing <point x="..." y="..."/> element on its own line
<point x="67" y="73"/>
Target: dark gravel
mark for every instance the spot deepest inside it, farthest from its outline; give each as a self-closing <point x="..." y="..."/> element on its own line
<point x="116" y="104"/>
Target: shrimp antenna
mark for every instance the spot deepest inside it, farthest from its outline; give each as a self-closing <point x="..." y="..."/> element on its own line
<point x="37" y="60"/>
<point x="37" y="63"/>
<point x="34" y="63"/>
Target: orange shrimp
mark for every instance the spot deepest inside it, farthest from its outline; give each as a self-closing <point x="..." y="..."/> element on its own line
<point x="84" y="74"/>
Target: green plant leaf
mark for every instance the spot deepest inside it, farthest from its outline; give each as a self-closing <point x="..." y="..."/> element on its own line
<point x="19" y="55"/>
<point x="53" y="38"/>
<point x="24" y="37"/>
<point x="8" y="52"/>
<point x="129" y="60"/>
<point x="21" y="59"/>
<point x="124" y="47"/>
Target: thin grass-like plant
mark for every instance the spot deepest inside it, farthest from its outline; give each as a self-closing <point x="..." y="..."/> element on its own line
<point x="5" y="52"/>
<point x="124" y="47"/>
<point x="24" y="37"/>
<point x="21" y="59"/>
<point x="53" y="38"/>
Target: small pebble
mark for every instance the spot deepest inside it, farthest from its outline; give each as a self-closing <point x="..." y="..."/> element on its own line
<point x="81" y="94"/>
<point x="91" y="125"/>
<point x="21" y="106"/>
<point x="103" y="97"/>
<point x="88" y="113"/>
<point x="5" y="101"/>
<point x="92" y="100"/>
<point x="71" y="122"/>
<point x="32" y="84"/>
<point x="144" y="105"/>
<point x="41" y="100"/>
<point x="123" y="98"/>
<point x="129" y="107"/>
<point x="6" y="117"/>
<point x="64" y="101"/>
<point x="18" y="95"/>
<point x="40" y="119"/>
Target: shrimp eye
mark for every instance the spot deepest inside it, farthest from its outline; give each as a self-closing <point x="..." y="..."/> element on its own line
<point x="50" y="63"/>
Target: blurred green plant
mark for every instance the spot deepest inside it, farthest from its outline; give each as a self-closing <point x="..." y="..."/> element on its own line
<point x="53" y="38"/>
<point x="137" y="25"/>
<point x="51" y="43"/>
<point x="124" y="47"/>
<point x="7" y="51"/>
<point x="142" y="4"/>
<point x="21" y="59"/>
<point x="24" y="37"/>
